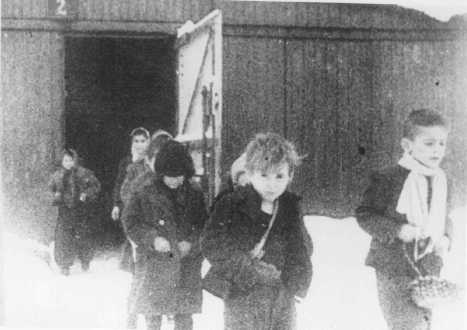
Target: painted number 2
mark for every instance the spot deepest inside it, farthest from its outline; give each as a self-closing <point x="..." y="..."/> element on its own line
<point x="61" y="9"/>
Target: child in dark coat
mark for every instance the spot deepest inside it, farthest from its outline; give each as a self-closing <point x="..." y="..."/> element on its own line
<point x="138" y="175"/>
<point x="264" y="277"/>
<point x="139" y="143"/>
<point x="75" y="188"/>
<point x="164" y="219"/>
<point x="404" y="207"/>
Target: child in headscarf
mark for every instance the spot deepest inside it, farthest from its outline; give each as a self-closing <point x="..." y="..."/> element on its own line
<point x="75" y="188"/>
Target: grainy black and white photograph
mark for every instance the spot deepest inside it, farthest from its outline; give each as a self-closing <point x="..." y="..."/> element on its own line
<point x="233" y="165"/>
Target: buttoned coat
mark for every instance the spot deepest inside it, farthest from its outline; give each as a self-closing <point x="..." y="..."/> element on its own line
<point x="166" y="283"/>
<point x="235" y="226"/>
<point x="377" y="215"/>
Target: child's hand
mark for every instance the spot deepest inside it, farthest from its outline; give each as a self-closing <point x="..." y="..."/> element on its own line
<point x="442" y="246"/>
<point x="184" y="248"/>
<point x="82" y="197"/>
<point x="115" y="213"/>
<point x="408" y="233"/>
<point x="161" y="244"/>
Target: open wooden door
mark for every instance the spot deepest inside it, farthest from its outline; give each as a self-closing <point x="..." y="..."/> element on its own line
<point x="199" y="78"/>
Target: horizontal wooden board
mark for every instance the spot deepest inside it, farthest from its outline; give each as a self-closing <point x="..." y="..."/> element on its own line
<point x="114" y="10"/>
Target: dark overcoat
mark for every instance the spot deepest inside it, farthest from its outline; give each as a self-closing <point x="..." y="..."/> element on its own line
<point x="76" y="223"/>
<point x="166" y="283"/>
<point x="236" y="225"/>
<point x="377" y="215"/>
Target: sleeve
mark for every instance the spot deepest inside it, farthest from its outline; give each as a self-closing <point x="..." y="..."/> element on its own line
<point x="222" y="250"/>
<point x="371" y="212"/>
<point x="127" y="184"/>
<point x="122" y="168"/>
<point x="199" y="220"/>
<point x="298" y="267"/>
<point x="135" y="225"/>
<point x="54" y="188"/>
<point x="52" y="184"/>
<point x="449" y="226"/>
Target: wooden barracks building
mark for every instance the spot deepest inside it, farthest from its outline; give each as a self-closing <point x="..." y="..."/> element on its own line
<point x="337" y="79"/>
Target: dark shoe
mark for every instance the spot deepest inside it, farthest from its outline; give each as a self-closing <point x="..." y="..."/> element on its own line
<point x="65" y="271"/>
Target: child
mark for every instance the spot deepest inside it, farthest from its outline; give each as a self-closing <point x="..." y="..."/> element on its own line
<point x="139" y="143"/>
<point x="263" y="280"/>
<point x="164" y="219"/>
<point x="138" y="172"/>
<point x="405" y="205"/>
<point x="138" y="175"/>
<point x="74" y="188"/>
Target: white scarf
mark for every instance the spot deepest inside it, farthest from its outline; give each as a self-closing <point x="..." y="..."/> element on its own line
<point x="413" y="198"/>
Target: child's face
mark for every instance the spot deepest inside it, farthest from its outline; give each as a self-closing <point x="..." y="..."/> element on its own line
<point x="173" y="182"/>
<point x="139" y="144"/>
<point x="68" y="162"/>
<point x="428" y="145"/>
<point x="271" y="184"/>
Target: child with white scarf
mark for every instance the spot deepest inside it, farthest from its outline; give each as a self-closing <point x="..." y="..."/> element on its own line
<point x="405" y="205"/>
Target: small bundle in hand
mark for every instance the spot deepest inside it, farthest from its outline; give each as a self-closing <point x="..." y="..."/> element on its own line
<point x="431" y="291"/>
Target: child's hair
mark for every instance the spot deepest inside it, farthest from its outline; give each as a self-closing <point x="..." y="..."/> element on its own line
<point x="174" y="160"/>
<point x="71" y="153"/>
<point x="140" y="131"/>
<point x="158" y="139"/>
<point x="422" y="118"/>
<point x="266" y="151"/>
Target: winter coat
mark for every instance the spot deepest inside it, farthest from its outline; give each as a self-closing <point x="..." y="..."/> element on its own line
<point x="235" y="226"/>
<point x="136" y="176"/>
<point x="74" y="214"/>
<point x="166" y="283"/>
<point x="377" y="215"/>
<point x="121" y="175"/>
<point x="77" y="181"/>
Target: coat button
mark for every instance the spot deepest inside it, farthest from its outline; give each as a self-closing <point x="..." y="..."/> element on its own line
<point x="161" y="222"/>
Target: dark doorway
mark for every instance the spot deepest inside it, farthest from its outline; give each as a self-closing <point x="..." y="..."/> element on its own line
<point x="112" y="86"/>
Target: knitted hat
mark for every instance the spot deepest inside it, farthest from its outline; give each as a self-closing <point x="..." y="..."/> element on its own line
<point x="174" y="160"/>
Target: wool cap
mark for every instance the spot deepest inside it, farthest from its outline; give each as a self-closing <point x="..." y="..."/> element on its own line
<point x="174" y="160"/>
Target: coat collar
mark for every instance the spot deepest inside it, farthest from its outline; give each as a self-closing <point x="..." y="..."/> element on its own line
<point x="248" y="200"/>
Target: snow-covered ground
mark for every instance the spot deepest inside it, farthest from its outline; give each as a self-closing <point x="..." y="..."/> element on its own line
<point x="342" y="295"/>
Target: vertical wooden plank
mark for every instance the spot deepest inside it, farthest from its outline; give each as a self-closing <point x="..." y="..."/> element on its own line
<point x="106" y="14"/>
<point x="344" y="138"/>
<point x="303" y="83"/>
<point x="150" y="10"/>
<point x="253" y="92"/>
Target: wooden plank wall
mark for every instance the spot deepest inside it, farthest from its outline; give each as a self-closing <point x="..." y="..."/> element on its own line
<point x="252" y="97"/>
<point x="116" y="10"/>
<point x="323" y="15"/>
<point x="343" y="80"/>
<point x="33" y="94"/>
<point x="345" y="111"/>
<point x="335" y="78"/>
